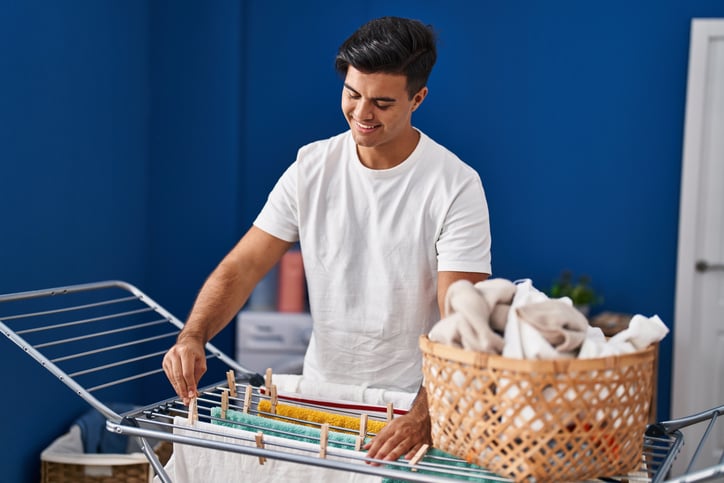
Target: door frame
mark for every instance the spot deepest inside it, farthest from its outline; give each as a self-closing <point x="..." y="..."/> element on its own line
<point x="685" y="381"/>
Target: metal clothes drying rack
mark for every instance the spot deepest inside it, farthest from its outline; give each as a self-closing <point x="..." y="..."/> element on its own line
<point x="106" y="340"/>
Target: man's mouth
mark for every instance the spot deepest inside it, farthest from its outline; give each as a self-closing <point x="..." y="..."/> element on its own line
<point x="365" y="127"/>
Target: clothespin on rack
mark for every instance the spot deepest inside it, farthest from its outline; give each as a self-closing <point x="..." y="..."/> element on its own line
<point x="274" y="399"/>
<point x="419" y="455"/>
<point x="362" y="432"/>
<point x="323" y="438"/>
<point x="390" y="412"/>
<point x="193" y="411"/>
<point x="268" y="379"/>
<point x="224" y="403"/>
<point x="260" y="444"/>
<point x="247" y="399"/>
<point x="231" y="379"/>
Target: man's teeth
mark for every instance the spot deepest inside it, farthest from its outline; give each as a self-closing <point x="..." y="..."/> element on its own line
<point x="365" y="126"/>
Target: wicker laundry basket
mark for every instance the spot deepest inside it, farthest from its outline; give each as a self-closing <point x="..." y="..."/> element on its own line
<point x="96" y="468"/>
<point x="539" y="420"/>
<point x="101" y="468"/>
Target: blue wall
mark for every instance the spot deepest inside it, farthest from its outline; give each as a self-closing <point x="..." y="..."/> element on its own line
<point x="139" y="139"/>
<point x="74" y="138"/>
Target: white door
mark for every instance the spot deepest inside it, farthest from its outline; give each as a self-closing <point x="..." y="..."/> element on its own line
<point x="698" y="358"/>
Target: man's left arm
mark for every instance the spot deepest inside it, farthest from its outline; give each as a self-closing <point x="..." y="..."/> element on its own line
<point x="406" y="434"/>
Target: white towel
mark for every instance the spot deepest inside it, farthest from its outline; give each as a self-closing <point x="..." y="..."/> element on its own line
<point x="303" y="386"/>
<point x="641" y="332"/>
<point x="193" y="464"/>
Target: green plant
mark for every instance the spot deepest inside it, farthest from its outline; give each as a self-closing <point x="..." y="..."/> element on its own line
<point x="578" y="290"/>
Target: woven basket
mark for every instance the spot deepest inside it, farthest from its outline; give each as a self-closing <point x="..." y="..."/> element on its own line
<point x="101" y="468"/>
<point x="66" y="472"/>
<point x="539" y="420"/>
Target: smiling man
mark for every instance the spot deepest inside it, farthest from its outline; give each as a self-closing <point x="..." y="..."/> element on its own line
<point x="386" y="219"/>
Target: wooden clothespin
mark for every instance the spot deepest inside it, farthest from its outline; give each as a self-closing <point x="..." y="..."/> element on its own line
<point x="419" y="455"/>
<point x="193" y="411"/>
<point x="323" y="437"/>
<point x="231" y="379"/>
<point x="268" y="379"/>
<point x="224" y="403"/>
<point x="390" y="412"/>
<point x="362" y="432"/>
<point x="260" y="444"/>
<point x="247" y="399"/>
<point x="274" y="399"/>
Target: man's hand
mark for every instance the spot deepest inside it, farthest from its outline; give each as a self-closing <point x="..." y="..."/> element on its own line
<point x="404" y="435"/>
<point x="184" y="364"/>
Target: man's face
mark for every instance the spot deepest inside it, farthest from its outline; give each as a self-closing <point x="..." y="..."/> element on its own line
<point x="377" y="108"/>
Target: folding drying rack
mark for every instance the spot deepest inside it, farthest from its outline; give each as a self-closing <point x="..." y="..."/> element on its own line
<point x="106" y="340"/>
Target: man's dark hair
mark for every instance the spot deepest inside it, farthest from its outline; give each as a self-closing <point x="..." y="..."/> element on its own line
<point x="392" y="45"/>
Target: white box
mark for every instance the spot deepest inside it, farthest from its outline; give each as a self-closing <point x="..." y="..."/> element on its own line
<point x="272" y="339"/>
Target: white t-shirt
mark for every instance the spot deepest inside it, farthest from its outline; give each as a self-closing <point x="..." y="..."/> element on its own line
<point x="372" y="243"/>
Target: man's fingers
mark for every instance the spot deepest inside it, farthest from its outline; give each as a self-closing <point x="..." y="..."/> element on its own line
<point x="179" y="381"/>
<point x="388" y="445"/>
<point x="411" y="454"/>
<point x="184" y="368"/>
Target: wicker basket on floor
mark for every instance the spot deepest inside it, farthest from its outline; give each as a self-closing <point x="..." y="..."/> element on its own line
<point x="539" y="420"/>
<point x="96" y="469"/>
<point x="102" y="468"/>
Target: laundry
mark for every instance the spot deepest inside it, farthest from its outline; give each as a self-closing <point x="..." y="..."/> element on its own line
<point x="641" y="332"/>
<point x="296" y="384"/>
<point x="319" y="417"/>
<point x="339" y="441"/>
<point x="250" y="422"/>
<point x="517" y="320"/>
<point x="194" y="463"/>
<point x="476" y="315"/>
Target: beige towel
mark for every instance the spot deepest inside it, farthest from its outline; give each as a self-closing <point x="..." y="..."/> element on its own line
<point x="475" y="315"/>
<point x="563" y="326"/>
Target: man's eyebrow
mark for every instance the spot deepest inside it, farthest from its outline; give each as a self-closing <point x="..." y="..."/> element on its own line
<point x="377" y="99"/>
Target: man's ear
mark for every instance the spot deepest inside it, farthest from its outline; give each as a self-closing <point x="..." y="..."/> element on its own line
<point x="419" y="97"/>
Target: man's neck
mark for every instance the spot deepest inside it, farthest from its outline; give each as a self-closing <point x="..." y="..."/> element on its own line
<point x="389" y="155"/>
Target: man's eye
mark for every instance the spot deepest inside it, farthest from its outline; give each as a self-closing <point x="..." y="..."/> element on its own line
<point x="384" y="106"/>
<point x="352" y="95"/>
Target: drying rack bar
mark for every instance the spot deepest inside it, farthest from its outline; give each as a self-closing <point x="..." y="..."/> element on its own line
<point x="162" y="421"/>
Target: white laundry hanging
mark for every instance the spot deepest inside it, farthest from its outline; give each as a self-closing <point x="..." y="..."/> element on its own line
<point x="191" y="464"/>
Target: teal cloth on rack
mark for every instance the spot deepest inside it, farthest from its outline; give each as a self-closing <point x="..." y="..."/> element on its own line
<point x="249" y="422"/>
<point x="252" y="423"/>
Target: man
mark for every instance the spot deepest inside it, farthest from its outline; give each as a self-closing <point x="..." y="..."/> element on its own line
<point x="386" y="220"/>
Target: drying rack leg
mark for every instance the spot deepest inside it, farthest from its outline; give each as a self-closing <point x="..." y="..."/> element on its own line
<point x="153" y="459"/>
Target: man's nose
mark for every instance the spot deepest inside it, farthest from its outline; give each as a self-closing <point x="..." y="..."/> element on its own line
<point x="364" y="110"/>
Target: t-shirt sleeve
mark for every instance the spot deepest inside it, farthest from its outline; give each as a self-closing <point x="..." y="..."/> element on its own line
<point x="279" y="216"/>
<point x="464" y="242"/>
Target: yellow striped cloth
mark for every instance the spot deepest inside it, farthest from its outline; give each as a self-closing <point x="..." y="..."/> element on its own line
<point x="319" y="417"/>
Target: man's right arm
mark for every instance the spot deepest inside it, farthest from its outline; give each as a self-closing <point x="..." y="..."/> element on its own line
<point x="221" y="297"/>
